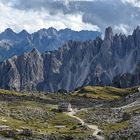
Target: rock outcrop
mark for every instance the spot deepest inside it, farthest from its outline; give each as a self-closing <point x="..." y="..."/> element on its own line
<point x="115" y="60"/>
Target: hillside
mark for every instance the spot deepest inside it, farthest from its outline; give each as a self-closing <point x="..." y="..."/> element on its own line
<point x="105" y="93"/>
<point x="35" y="115"/>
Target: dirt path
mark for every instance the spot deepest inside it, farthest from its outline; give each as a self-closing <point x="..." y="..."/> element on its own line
<point x="133" y="104"/>
<point x="71" y="114"/>
<point x="95" y="128"/>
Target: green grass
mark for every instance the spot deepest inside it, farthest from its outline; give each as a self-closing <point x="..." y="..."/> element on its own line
<point x="47" y="126"/>
<point x="2" y="91"/>
<point x="38" y="116"/>
<point x="26" y="110"/>
<point x="104" y="93"/>
<point x="113" y="127"/>
<point x="87" y="116"/>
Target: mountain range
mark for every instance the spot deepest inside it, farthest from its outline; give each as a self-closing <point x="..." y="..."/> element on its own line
<point x="12" y="43"/>
<point x="114" y="60"/>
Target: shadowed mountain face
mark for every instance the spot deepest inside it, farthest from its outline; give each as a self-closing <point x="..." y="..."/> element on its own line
<point x="50" y="39"/>
<point x="112" y="61"/>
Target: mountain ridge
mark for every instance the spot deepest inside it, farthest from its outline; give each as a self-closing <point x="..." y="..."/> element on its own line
<point x="93" y="62"/>
<point x="12" y="43"/>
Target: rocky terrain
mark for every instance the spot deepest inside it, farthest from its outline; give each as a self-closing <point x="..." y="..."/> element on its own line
<point x="111" y="61"/>
<point x="12" y="43"/>
<point x="35" y="116"/>
<point x="117" y="121"/>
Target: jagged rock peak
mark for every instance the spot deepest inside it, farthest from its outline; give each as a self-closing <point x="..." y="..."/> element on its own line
<point x="34" y="51"/>
<point x="46" y="31"/>
<point x="23" y="32"/>
<point x="8" y="30"/>
<point x="136" y="36"/>
<point x="137" y="30"/>
<point x="51" y="29"/>
<point x="108" y="33"/>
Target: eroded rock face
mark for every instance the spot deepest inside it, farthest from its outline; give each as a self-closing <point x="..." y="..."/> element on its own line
<point x="23" y="72"/>
<point x="112" y="61"/>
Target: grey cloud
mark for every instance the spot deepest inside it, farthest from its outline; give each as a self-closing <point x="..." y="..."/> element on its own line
<point x="105" y="13"/>
<point x="51" y="5"/>
<point x="102" y="13"/>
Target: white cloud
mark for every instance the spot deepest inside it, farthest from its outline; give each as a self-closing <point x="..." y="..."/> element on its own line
<point x="135" y="3"/>
<point x="122" y="28"/>
<point x="34" y="20"/>
<point x="123" y="15"/>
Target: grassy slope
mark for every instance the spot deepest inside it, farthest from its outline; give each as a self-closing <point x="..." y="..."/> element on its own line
<point x="113" y="127"/>
<point x="42" y="118"/>
<point x="104" y="93"/>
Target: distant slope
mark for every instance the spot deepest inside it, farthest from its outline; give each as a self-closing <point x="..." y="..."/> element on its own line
<point x="105" y="93"/>
<point x="12" y="43"/>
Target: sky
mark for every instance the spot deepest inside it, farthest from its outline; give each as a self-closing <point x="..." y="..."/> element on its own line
<point x="32" y="15"/>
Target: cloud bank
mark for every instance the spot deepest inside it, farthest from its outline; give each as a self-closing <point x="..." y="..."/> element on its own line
<point x="122" y="15"/>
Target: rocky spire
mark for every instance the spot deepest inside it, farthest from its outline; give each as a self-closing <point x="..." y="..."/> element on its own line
<point x="136" y="31"/>
<point x="34" y="51"/>
<point x="108" y="33"/>
<point x="136" y="36"/>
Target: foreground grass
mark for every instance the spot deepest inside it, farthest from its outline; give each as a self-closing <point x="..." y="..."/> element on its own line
<point x="38" y="112"/>
<point x="40" y="117"/>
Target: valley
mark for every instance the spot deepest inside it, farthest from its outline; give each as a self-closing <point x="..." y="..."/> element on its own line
<point x="35" y="116"/>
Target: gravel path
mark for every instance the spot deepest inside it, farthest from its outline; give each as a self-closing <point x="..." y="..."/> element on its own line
<point x="95" y="128"/>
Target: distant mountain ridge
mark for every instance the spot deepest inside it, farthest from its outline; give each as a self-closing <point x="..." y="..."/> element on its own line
<point x="114" y="60"/>
<point x="50" y="39"/>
